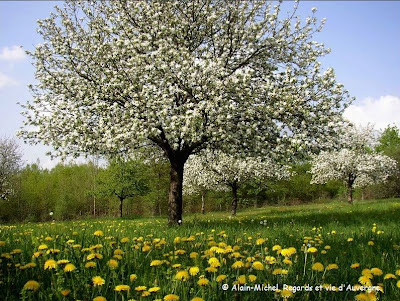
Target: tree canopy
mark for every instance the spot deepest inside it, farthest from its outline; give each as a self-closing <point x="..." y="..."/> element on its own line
<point x="182" y="76"/>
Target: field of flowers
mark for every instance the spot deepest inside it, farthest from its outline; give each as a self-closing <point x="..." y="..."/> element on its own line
<point x="310" y="252"/>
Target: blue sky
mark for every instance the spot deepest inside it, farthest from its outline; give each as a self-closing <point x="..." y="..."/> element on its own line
<point x="364" y="37"/>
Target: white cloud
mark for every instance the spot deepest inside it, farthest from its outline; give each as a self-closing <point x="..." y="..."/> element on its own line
<point x="380" y="112"/>
<point x="12" y="54"/>
<point x="6" y="81"/>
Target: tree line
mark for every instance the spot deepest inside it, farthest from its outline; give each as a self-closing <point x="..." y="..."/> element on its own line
<point x="140" y="187"/>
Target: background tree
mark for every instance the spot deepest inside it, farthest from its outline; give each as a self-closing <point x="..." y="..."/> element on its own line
<point x="10" y="162"/>
<point x="182" y="76"/>
<point x="221" y="171"/>
<point x="355" y="169"/>
<point x="123" y="179"/>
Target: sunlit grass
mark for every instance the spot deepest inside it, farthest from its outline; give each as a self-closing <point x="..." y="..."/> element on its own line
<point x="142" y="259"/>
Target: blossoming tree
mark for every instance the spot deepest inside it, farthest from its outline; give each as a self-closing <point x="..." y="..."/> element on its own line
<point x="220" y="171"/>
<point x="10" y="162"/>
<point x="181" y="76"/>
<point x="353" y="164"/>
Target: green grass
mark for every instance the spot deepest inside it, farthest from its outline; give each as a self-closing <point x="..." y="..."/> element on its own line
<point x="330" y="224"/>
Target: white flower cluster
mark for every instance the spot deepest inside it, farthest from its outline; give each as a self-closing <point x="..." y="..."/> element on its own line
<point x="183" y="76"/>
<point x="219" y="171"/>
<point x="354" y="164"/>
<point x="10" y="161"/>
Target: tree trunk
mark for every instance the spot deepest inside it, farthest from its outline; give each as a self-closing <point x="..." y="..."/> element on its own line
<point x="175" y="206"/>
<point x="350" y="183"/>
<point x="203" y="209"/>
<point x="121" y="200"/>
<point x="234" y="187"/>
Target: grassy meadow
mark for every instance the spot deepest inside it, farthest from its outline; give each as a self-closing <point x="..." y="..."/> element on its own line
<point x="315" y="248"/>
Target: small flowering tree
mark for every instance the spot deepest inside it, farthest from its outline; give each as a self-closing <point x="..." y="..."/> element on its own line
<point x="182" y="76"/>
<point x="354" y="165"/>
<point x="217" y="170"/>
<point x="10" y="162"/>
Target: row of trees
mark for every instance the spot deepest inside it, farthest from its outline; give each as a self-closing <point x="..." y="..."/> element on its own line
<point x="214" y="181"/>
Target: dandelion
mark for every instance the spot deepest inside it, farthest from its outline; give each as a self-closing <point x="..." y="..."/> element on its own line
<point x="252" y="278"/>
<point x="350" y="239"/>
<point x="112" y="263"/>
<point x="193" y="271"/>
<point x="98" y="281"/>
<point x="122" y="287"/>
<point x="376" y="271"/>
<point x="99" y="298"/>
<point x="276" y="248"/>
<point x="154" y="289"/>
<point x="355" y="265"/>
<point x="238" y="264"/>
<point x="98" y="233"/>
<point x="156" y="263"/>
<point x="193" y="255"/>
<point x="197" y="299"/>
<point x="182" y="275"/>
<point x="214" y="262"/>
<point x="69" y="267"/>
<point x="257" y="265"/>
<point x="203" y="282"/>
<point x="312" y="250"/>
<point x="90" y="264"/>
<point x="371" y="243"/>
<point x="211" y="269"/>
<point x="65" y="292"/>
<point x="31" y="285"/>
<point x="171" y="297"/>
<point x="398" y="284"/>
<point x="332" y="266"/>
<point x="389" y="276"/>
<point x="43" y="247"/>
<point x="132" y="277"/>
<point x="50" y="264"/>
<point x="140" y="288"/>
<point x="317" y="267"/>
<point x="270" y="260"/>
<point x="365" y="280"/>
<point x="260" y="241"/>
<point x="220" y="278"/>
<point x="285" y="294"/>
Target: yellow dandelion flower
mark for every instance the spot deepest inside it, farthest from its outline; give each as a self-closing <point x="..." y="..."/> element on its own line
<point x="287" y="261"/>
<point x="361" y="297"/>
<point x="252" y="278"/>
<point x="98" y="281"/>
<point x="389" y="276"/>
<point x="260" y="241"/>
<point x="350" y="239"/>
<point x="220" y="278"/>
<point x="355" y="265"/>
<point x="376" y="271"/>
<point x="312" y="250"/>
<point x="176" y="265"/>
<point x="69" y="267"/>
<point x="193" y="255"/>
<point x="193" y="271"/>
<point x="285" y="294"/>
<point x="197" y="299"/>
<point x="182" y="275"/>
<point x="2" y="243"/>
<point x="257" y="265"/>
<point x="31" y="285"/>
<point x="319" y="267"/>
<point x="211" y="269"/>
<point x="62" y="261"/>
<point x="90" y="264"/>
<point x="156" y="263"/>
<point x="122" y="287"/>
<point x="154" y="289"/>
<point x="65" y="292"/>
<point x="238" y="264"/>
<point x="398" y="272"/>
<point x="140" y="288"/>
<point x="171" y="297"/>
<point x="398" y="284"/>
<point x="50" y="264"/>
<point x="112" y="263"/>
<point x="43" y="247"/>
<point x="327" y="247"/>
<point x="132" y="277"/>
<point x="276" y="248"/>
<point x="365" y="280"/>
<point x="371" y="243"/>
<point x="99" y="298"/>
<point x="332" y="266"/>
<point x="98" y="233"/>
<point x="241" y="279"/>
<point x="203" y="282"/>
<point x="214" y="262"/>
<point x="367" y="273"/>
<point x="270" y="260"/>
<point x="146" y="248"/>
<point x="124" y="239"/>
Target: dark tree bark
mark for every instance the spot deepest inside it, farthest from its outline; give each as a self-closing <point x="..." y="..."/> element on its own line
<point x="350" y="183"/>
<point x="234" y="187"/>
<point x="121" y="200"/>
<point x="175" y="204"/>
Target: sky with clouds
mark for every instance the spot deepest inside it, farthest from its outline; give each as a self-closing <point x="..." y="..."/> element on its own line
<point x="363" y="37"/>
